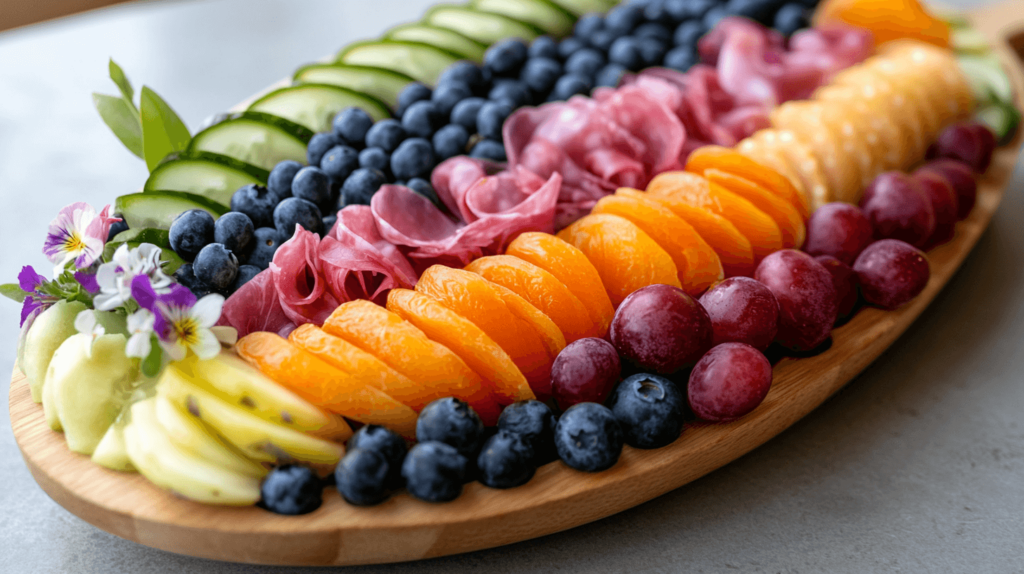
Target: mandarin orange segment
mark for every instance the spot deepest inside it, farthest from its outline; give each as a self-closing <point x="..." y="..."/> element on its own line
<point x="439" y="372"/>
<point x="732" y="161"/>
<point x="541" y="289"/>
<point x="466" y="340"/>
<point x="732" y="247"/>
<point x="761" y="230"/>
<point x="626" y="258"/>
<point x="324" y="385"/>
<point x="697" y="263"/>
<point x="887" y="19"/>
<point x="570" y="266"/>
<point x="484" y="303"/>
<point x="784" y="214"/>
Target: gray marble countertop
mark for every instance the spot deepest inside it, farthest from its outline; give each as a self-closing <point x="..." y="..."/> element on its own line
<point x="916" y="466"/>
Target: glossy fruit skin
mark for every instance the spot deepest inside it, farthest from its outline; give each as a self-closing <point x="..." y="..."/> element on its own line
<point x="422" y="119"/>
<point x="266" y="240"/>
<point x="359" y="188"/>
<point x="361" y="477"/>
<point x="410" y="94"/>
<point x="961" y="177"/>
<point x="649" y="409"/>
<point x="294" y="211"/>
<point x="190" y="232"/>
<point x="625" y="51"/>
<point x="465" y="112"/>
<point x="610" y="75"/>
<point x="313" y="185"/>
<point x="422" y="187"/>
<point x="245" y="274"/>
<point x="490" y="119"/>
<point x="235" y="231"/>
<point x="661" y="329"/>
<point x="387" y="134"/>
<point x="258" y="202"/>
<point x="465" y="72"/>
<point x="728" y="382"/>
<point x="337" y="164"/>
<point x="790" y="18"/>
<point x="588" y="437"/>
<point x="319" y="144"/>
<point x="971" y="143"/>
<point x="385" y="442"/>
<point x="891" y="273"/>
<point x="543" y="47"/>
<point x="899" y="209"/>
<point x="186" y="276"/>
<point x="681" y="58"/>
<point x="291" y="490"/>
<point x="806" y="296"/>
<point x="280" y="180"/>
<point x="569" y="46"/>
<point x="506" y="57"/>
<point x="534" y="423"/>
<point x="742" y="310"/>
<point x="450" y="141"/>
<point x="505" y="461"/>
<point x="585" y="371"/>
<point x="838" y="229"/>
<point x="585" y="62"/>
<point x="687" y="33"/>
<point x="514" y="93"/>
<point x="447" y="95"/>
<point x="216" y="266"/>
<point x="488" y="149"/>
<point x="351" y="125"/>
<point x="434" y="471"/>
<point x="375" y="158"/>
<point x="847" y="285"/>
<point x="452" y="422"/>
<point x="570" y="85"/>
<point x="944" y="205"/>
<point x="540" y="74"/>
<point x="116" y="227"/>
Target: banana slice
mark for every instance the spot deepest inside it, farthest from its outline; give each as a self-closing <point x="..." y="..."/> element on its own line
<point x="193" y="436"/>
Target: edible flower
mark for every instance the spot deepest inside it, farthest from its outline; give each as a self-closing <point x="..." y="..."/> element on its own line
<point x="140" y="329"/>
<point x="85" y="322"/>
<point x="77" y="234"/>
<point x="35" y="300"/>
<point x="114" y="278"/>
<point x="182" y="323"/>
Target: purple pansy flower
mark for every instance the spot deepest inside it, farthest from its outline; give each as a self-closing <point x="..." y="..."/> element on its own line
<point x="77" y="234"/>
<point x="29" y="281"/>
<point x="181" y="322"/>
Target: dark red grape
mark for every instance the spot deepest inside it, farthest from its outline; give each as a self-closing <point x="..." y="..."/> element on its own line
<point x="807" y="298"/>
<point x="971" y="143"/>
<point x="891" y="273"/>
<point x="742" y="310"/>
<point x="838" y="229"/>
<point x="898" y="208"/>
<point x="661" y="329"/>
<point x="944" y="205"/>
<point x="961" y="177"/>
<point x="585" y="371"/>
<point x="729" y="382"/>
<point x="845" y="281"/>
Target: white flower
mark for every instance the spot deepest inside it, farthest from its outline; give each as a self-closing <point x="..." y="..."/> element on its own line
<point x="85" y="322"/>
<point x="140" y="326"/>
<point x="115" y="277"/>
<point x="192" y="328"/>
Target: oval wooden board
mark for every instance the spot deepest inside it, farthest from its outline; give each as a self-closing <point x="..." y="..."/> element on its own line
<point x="558" y="498"/>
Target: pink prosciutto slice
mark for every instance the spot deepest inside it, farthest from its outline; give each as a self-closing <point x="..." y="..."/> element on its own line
<point x="256" y="307"/>
<point x="300" y="281"/>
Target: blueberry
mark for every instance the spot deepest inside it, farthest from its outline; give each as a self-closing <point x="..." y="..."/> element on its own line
<point x="191" y="231"/>
<point x="266" y="240"/>
<point x="534" y="422"/>
<point x="235" y="231"/>
<point x="491" y="117"/>
<point x="296" y="211"/>
<point x="569" y="46"/>
<point x="115" y="228"/>
<point x="505" y="57"/>
<point x="464" y="72"/>
<point x="791" y="18"/>
<point x="713" y="16"/>
<point x="351" y="125"/>
<point x="489" y="149"/>
<point x="602" y="40"/>
<point x="447" y="95"/>
<point x="699" y="8"/>
<point x="623" y="18"/>
<point x="413" y="158"/>
<point x="329" y="221"/>
<point x="422" y="187"/>
<point x="464" y="113"/>
<point x="543" y="47"/>
<point x="649" y="409"/>
<point x="450" y="141"/>
<point x="540" y="74"/>
<point x="434" y="471"/>
<point x="216" y="266"/>
<point x="513" y="92"/>
<point x="451" y="421"/>
<point x="359" y="188"/>
<point x="291" y="490"/>
<point x="375" y="158"/>
<point x="422" y="119"/>
<point x="585" y="62"/>
<point x="410" y="94"/>
<point x="680" y="58"/>
<point x="626" y="52"/>
<point x="386" y="134"/>
<point x="245" y="274"/>
<point x="318" y="146"/>
<point x="588" y="24"/>
<point x="610" y="75"/>
<point x="338" y="164"/>
<point x="687" y="33"/>
<point x="588" y="437"/>
<point x="652" y="30"/>
<point x="652" y="51"/>
<point x="569" y="85"/>
<point x="505" y="461"/>
<point x="757" y="10"/>
<point x="186" y="276"/>
<point x="678" y="10"/>
<point x="655" y="13"/>
<point x="385" y="442"/>
<point x="361" y="477"/>
<point x="257" y="202"/>
<point x="280" y="180"/>
<point x="313" y="185"/>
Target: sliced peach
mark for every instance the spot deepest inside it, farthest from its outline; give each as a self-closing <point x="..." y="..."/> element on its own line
<point x="803" y="160"/>
<point x="732" y="161"/>
<point x="767" y="153"/>
<point x="324" y="385"/>
<point x="466" y="340"/>
<point x="785" y="215"/>
<point x="808" y="120"/>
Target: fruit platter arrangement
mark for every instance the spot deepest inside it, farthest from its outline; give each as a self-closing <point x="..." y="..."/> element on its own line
<point x="508" y="269"/>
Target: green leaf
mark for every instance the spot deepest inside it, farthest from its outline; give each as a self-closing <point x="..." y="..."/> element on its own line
<point x="118" y="77"/>
<point x="153" y="362"/>
<point x="163" y="132"/>
<point x="121" y="120"/>
<point x="13" y="291"/>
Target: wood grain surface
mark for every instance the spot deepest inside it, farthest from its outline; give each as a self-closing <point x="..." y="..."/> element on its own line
<point x="558" y="498"/>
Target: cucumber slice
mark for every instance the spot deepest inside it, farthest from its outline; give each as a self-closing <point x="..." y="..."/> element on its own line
<point x="157" y="209"/>
<point x="421" y="62"/>
<point x="1002" y="119"/>
<point x="213" y="176"/>
<point x="135" y="237"/>
<point x="445" y="39"/>
<point x="480" y="26"/>
<point x="969" y="40"/>
<point x="549" y="17"/>
<point x="988" y="79"/>
<point x="314" y="105"/>
<point x="379" y="83"/>
<point x="581" y="7"/>
<point x="260" y="139"/>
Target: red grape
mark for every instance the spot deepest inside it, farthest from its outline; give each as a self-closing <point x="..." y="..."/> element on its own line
<point x="585" y="371"/>
<point x="891" y="273"/>
<point x="729" y="382"/>
<point x="971" y="143"/>
<point x="838" y="229"/>
<point x="898" y="208"/>
<point x="944" y="205"/>
<point x="743" y="310"/>
<point x="961" y="177"/>
<point x="845" y="281"/>
<point x="661" y="329"/>
<point x="807" y="298"/>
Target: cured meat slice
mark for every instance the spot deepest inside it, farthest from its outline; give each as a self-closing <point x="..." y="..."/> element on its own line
<point x="256" y="307"/>
<point x="300" y="281"/>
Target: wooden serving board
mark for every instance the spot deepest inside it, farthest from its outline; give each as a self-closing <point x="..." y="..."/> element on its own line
<point x="557" y="498"/>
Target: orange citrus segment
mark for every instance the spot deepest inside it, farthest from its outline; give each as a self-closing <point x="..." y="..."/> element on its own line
<point x="785" y="215"/>
<point x="887" y="19"/>
<point x="466" y="340"/>
<point x="732" y="161"/>
<point x="324" y="385"/>
<point x="626" y="258"/>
